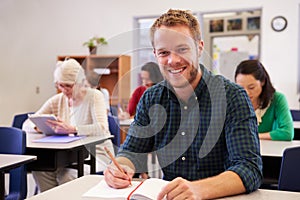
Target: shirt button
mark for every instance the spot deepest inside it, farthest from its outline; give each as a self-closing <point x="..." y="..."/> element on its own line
<point x="182" y="133"/>
<point x="183" y="158"/>
<point x="185" y="107"/>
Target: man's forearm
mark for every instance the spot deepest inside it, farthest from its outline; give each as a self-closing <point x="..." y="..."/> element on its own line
<point x="225" y="184"/>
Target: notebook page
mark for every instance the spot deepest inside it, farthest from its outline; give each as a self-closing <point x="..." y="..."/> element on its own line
<point x="103" y="191"/>
<point x="149" y="189"/>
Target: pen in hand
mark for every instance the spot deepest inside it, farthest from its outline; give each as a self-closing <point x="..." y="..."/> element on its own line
<point x="115" y="162"/>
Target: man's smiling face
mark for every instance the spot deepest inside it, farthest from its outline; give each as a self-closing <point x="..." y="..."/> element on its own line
<point x="177" y="54"/>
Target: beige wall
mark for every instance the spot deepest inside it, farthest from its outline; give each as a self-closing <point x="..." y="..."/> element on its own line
<point x="34" y="32"/>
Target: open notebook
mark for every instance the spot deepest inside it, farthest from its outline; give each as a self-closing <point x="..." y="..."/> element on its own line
<point x="146" y="190"/>
<point x="59" y="139"/>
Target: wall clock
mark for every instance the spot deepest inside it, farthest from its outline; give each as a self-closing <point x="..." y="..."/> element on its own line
<point x="279" y="23"/>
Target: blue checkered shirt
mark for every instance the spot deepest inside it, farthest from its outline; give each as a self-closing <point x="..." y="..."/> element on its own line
<point x="215" y="131"/>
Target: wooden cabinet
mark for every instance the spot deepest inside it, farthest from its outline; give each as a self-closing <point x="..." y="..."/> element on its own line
<point x="115" y="77"/>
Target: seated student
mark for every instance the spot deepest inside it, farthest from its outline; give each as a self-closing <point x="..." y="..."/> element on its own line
<point x="150" y="75"/>
<point x="202" y="127"/>
<point x="81" y="110"/>
<point x="272" y="111"/>
<point x="93" y="80"/>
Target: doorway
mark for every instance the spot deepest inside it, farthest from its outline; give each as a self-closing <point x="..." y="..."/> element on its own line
<point x="230" y="37"/>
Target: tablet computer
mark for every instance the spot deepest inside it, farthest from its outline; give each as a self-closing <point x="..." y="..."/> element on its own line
<point x="40" y="121"/>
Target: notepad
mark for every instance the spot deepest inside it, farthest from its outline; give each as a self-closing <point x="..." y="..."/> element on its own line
<point x="59" y="139"/>
<point x="146" y="190"/>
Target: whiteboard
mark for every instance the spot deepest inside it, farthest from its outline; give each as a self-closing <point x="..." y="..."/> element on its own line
<point x="228" y="62"/>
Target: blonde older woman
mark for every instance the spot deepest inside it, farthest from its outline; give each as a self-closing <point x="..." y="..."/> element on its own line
<point x="80" y="110"/>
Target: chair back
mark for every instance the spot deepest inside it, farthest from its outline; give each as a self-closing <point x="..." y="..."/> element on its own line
<point x="289" y="178"/>
<point x="295" y="115"/>
<point x="114" y="129"/>
<point x="19" y="119"/>
<point x="114" y="110"/>
<point x="13" y="141"/>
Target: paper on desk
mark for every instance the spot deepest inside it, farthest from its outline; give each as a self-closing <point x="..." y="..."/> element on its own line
<point x="146" y="190"/>
<point x="59" y="139"/>
<point x="103" y="191"/>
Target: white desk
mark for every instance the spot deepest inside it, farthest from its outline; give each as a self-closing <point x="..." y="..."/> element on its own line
<point x="76" y="188"/>
<point x="126" y="122"/>
<point x="276" y="148"/>
<point x="50" y="156"/>
<point x="297" y="124"/>
<point x="266" y="195"/>
<point x="8" y="162"/>
<point x="272" y="152"/>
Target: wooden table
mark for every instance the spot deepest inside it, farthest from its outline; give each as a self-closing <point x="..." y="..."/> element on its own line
<point x="76" y="188"/>
<point x="8" y="162"/>
<point x="50" y="156"/>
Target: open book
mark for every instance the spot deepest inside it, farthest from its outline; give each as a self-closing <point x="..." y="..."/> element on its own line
<point x="146" y="190"/>
<point x="40" y="121"/>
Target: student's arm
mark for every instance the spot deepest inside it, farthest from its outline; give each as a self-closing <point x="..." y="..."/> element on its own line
<point x="94" y="112"/>
<point x="284" y="129"/>
<point x="224" y="184"/>
<point x="265" y="136"/>
<point x="244" y="163"/>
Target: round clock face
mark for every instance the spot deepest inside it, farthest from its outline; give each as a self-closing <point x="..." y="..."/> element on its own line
<point x="279" y="23"/>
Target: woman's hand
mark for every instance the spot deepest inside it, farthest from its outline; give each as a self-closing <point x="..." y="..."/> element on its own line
<point x="61" y="127"/>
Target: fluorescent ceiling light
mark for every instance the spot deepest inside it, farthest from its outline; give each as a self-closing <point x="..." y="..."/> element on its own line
<point x="225" y="14"/>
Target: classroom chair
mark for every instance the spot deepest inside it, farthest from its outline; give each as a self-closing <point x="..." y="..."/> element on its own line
<point x="114" y="129"/>
<point x="295" y="115"/>
<point x="114" y="110"/>
<point x="13" y="141"/>
<point x="19" y="119"/>
<point x="289" y="178"/>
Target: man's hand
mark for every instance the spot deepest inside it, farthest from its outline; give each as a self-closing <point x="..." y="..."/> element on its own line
<point x="116" y="179"/>
<point x="180" y="188"/>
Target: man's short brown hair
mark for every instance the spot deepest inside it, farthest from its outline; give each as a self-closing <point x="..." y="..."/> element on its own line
<point x="177" y="17"/>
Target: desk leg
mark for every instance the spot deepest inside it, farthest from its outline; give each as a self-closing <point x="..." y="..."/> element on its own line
<point x="80" y="161"/>
<point x="93" y="159"/>
<point x="2" y="185"/>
